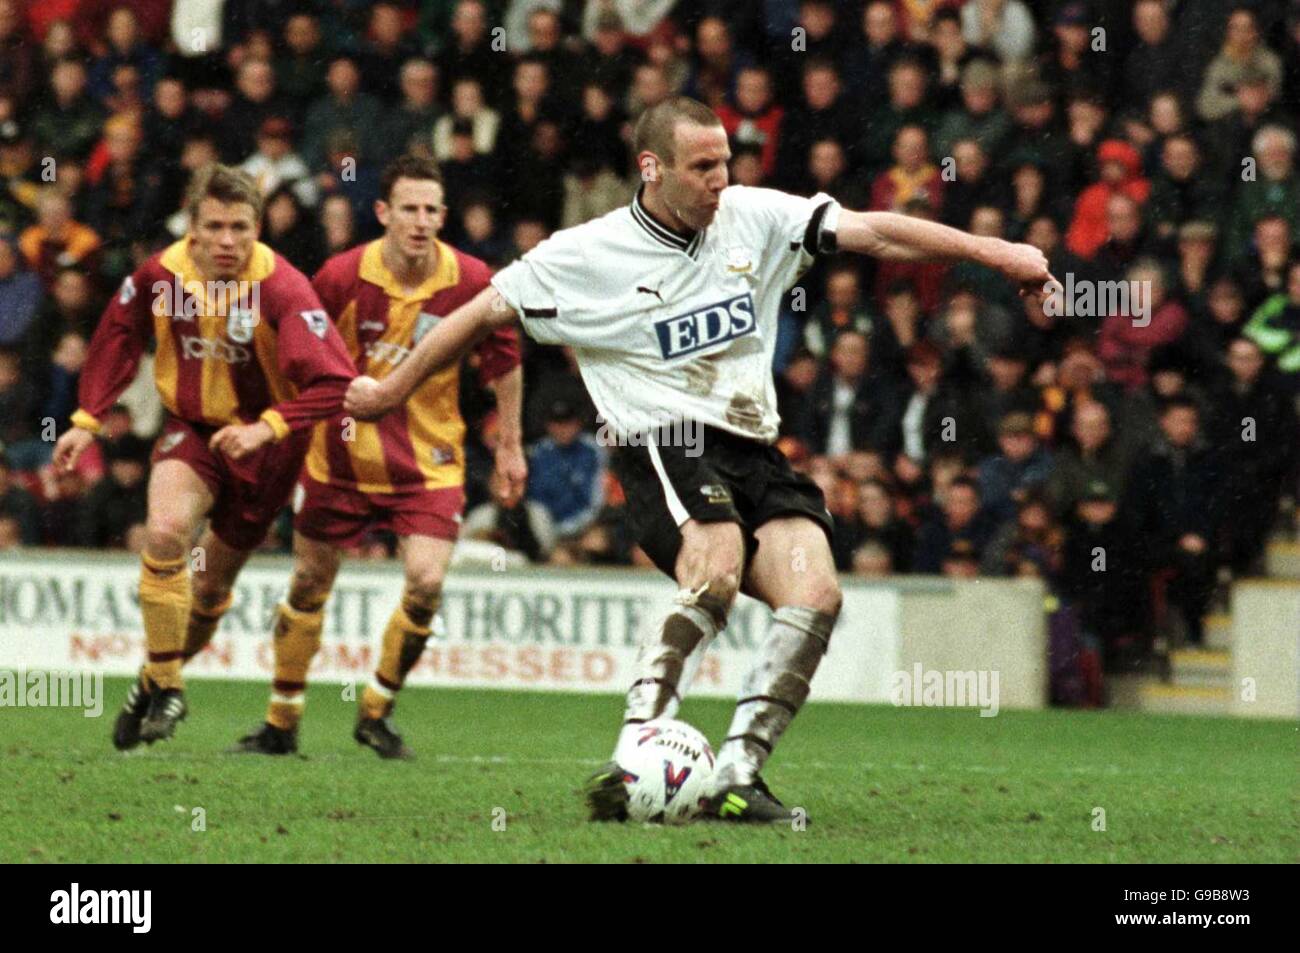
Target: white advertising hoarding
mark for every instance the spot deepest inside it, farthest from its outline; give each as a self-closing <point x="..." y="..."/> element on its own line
<point x="525" y="628"/>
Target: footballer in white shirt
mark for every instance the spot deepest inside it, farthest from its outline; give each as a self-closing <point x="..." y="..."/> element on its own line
<point x="670" y="306"/>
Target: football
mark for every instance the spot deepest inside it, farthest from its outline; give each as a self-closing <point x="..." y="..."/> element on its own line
<point x="667" y="768"/>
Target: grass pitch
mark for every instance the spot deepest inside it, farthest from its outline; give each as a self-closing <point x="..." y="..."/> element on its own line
<point x="496" y="775"/>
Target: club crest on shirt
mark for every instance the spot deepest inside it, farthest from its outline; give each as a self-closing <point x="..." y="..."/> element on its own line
<point x="317" y="322"/>
<point x="739" y="260"/>
<point x="240" y="324"/>
<point x="442" y="454"/>
<point x="423" y="325"/>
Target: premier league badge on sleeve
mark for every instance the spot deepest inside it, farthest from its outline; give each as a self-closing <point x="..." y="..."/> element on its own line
<point x="240" y="325"/>
<point x="317" y="322"/>
<point x="423" y="325"/>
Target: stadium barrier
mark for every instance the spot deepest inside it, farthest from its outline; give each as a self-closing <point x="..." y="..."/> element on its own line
<point x="538" y="628"/>
<point x="1266" y="648"/>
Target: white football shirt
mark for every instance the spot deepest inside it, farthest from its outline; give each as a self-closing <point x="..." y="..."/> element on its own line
<point x="666" y="325"/>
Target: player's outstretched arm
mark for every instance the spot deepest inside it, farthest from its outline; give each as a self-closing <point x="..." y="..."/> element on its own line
<point x="897" y="237"/>
<point x="448" y="342"/>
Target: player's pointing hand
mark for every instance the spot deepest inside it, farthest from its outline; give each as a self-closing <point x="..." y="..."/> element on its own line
<point x="366" y="399"/>
<point x="1025" y="265"/>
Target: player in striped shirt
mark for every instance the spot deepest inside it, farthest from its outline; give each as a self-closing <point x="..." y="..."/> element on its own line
<point x="246" y="363"/>
<point x="404" y="472"/>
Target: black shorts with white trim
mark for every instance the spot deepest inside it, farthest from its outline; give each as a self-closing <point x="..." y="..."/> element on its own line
<point x="720" y="478"/>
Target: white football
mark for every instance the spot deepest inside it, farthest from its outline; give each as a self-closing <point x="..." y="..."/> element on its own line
<point x="667" y="767"/>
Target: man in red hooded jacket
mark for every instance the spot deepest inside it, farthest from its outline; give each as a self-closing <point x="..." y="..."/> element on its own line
<point x="1121" y="172"/>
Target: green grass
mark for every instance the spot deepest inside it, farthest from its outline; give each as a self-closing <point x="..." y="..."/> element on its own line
<point x="878" y="783"/>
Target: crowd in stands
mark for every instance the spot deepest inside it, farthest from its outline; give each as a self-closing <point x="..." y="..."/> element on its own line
<point x="955" y="427"/>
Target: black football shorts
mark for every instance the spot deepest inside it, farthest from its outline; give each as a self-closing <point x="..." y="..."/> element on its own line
<point x="724" y="478"/>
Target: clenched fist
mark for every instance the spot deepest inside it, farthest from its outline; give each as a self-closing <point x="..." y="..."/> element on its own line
<point x="367" y="399"/>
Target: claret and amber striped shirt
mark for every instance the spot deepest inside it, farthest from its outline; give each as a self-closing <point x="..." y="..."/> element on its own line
<point x="258" y="347"/>
<point x="421" y="443"/>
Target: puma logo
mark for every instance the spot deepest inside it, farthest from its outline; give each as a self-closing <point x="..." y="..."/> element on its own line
<point x="650" y="291"/>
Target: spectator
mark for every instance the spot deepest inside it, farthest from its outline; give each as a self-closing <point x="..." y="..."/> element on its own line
<point x="609" y="62"/>
<point x="116" y="504"/>
<point x="874" y="521"/>
<point x="1232" y="138"/>
<point x="590" y="191"/>
<point x="1070" y="64"/>
<point x="1094" y="453"/>
<point x="1128" y="338"/>
<point x="1275" y="328"/>
<point x="713" y="78"/>
<point x="17" y="504"/>
<point x="468" y="111"/>
<point x="1276" y="190"/>
<point x="1174" y="503"/>
<point x="1157" y="61"/>
<point x="1121" y="174"/>
<point x="1007" y="479"/>
<point x="979" y="117"/>
<point x="913" y="175"/>
<point x="469" y="53"/>
<point x="1242" y="50"/>
<point x="385" y="49"/>
<point x="126" y="48"/>
<point x="755" y="119"/>
<point x="973" y="185"/>
<point x="1027" y="543"/>
<point x="1004" y="26"/>
<point x="275" y="164"/>
<point x="70" y="124"/>
<point x="852" y="405"/>
<point x="566" y="472"/>
<point x="597" y="135"/>
<point x="287" y="228"/>
<point x="875" y="50"/>
<point x="56" y="240"/>
<point x="480" y="236"/>
<point x="1257" y="427"/>
<point x="1180" y="192"/>
<point x="954" y="56"/>
<point x="20" y="294"/>
<point x="959" y="527"/>
<point x="906" y="106"/>
<point x="1262" y="272"/>
<point x="300" y="69"/>
<point x="412" y="122"/>
<point x="1103" y="575"/>
<point x="828" y="171"/>
<point x="337" y="224"/>
<point x="841" y="309"/>
<point x="344" y="109"/>
<point x="18" y="63"/>
<point x="256" y="100"/>
<point x="822" y="113"/>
